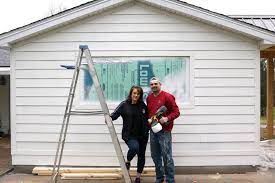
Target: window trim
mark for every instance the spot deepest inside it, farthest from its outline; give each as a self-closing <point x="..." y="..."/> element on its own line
<point x="112" y="105"/>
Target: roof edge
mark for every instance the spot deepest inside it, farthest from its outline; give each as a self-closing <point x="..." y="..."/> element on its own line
<point x="176" y="6"/>
<point x="53" y="21"/>
<point x="214" y="18"/>
<point x="252" y="16"/>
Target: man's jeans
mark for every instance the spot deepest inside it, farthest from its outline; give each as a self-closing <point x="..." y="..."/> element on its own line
<point x="161" y="148"/>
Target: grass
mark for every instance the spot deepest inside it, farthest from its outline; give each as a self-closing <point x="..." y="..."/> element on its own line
<point x="263" y="118"/>
<point x="263" y="122"/>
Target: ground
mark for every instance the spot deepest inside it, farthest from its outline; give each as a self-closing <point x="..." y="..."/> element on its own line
<point x="5" y="157"/>
<point x="255" y="177"/>
<point x="261" y="176"/>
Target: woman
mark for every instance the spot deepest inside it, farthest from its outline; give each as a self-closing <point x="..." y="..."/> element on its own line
<point x="135" y="130"/>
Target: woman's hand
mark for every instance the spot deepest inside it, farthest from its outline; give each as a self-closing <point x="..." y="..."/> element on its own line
<point x="108" y="117"/>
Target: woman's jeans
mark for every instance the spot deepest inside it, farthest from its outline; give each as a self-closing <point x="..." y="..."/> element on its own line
<point x="137" y="147"/>
<point x="161" y="149"/>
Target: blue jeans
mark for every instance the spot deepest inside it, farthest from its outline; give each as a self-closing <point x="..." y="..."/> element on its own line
<point x="161" y="149"/>
<point x="137" y="147"/>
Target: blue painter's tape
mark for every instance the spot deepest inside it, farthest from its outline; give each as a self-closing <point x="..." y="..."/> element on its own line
<point x="83" y="47"/>
<point x="68" y="66"/>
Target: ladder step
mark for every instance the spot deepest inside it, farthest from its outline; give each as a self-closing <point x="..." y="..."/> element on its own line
<point x="85" y="113"/>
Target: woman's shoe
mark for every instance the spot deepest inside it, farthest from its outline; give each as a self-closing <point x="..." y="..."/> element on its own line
<point x="137" y="180"/>
<point x="128" y="165"/>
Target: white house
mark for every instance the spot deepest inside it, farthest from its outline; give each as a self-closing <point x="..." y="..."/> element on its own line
<point x="211" y="62"/>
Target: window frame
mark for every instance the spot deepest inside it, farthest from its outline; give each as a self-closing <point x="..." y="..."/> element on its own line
<point x="78" y="105"/>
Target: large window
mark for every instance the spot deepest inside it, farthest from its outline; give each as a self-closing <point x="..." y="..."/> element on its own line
<point x="118" y="74"/>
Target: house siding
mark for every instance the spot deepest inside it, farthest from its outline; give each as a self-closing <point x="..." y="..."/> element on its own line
<point x="220" y="129"/>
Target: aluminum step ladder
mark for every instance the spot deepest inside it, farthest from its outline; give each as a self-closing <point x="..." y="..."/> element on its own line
<point x="84" y="51"/>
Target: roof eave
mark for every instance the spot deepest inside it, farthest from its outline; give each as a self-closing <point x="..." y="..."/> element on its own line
<point x="266" y="44"/>
<point x="176" y="6"/>
<point x="4" y="70"/>
<point x="58" y="20"/>
<point x="214" y="19"/>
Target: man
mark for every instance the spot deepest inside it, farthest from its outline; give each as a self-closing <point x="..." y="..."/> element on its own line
<point x="161" y="142"/>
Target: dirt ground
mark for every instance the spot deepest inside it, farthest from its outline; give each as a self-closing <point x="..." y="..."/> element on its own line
<point x="254" y="177"/>
<point x="5" y="154"/>
<point x="261" y="176"/>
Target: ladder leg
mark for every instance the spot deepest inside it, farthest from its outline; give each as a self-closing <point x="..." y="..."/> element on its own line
<point x="108" y="119"/>
<point x="64" y="128"/>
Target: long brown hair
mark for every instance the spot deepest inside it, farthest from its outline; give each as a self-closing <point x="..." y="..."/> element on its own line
<point x="140" y="91"/>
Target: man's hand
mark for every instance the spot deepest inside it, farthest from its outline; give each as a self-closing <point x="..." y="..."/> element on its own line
<point x="163" y="120"/>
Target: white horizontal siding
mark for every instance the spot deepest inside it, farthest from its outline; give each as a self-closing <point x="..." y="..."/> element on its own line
<point x="63" y="73"/>
<point x="208" y="101"/>
<point x="138" y="46"/>
<point x="88" y="137"/>
<point x="224" y="82"/>
<point x="34" y="63"/>
<point x="183" y="119"/>
<point x="108" y="147"/>
<point x="199" y="82"/>
<point x="224" y="64"/>
<point x="136" y="19"/>
<point x="219" y="130"/>
<point x="112" y="154"/>
<point x="43" y="83"/>
<point x="228" y="73"/>
<point x="70" y="56"/>
<point x="197" y="110"/>
<point x="217" y="91"/>
<point x="131" y="36"/>
<point x="111" y="161"/>
<point x="101" y="128"/>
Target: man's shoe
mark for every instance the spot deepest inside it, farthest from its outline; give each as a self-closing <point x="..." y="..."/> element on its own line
<point x="137" y="180"/>
<point x="128" y="164"/>
<point x="162" y="181"/>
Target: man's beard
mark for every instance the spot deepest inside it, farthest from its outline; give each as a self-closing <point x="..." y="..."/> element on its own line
<point x="155" y="89"/>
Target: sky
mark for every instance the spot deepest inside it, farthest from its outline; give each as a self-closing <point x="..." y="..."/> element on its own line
<point x="16" y="13"/>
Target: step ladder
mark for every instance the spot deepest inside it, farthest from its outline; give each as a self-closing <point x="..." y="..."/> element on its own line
<point x="84" y="51"/>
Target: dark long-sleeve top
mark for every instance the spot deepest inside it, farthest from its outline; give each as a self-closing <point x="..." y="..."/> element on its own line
<point x="134" y="118"/>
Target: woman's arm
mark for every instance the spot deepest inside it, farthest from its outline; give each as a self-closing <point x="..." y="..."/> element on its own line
<point x="146" y="115"/>
<point x="117" y="112"/>
<point x="146" y="111"/>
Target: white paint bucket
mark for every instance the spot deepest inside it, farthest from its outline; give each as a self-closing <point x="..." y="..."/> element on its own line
<point x="156" y="127"/>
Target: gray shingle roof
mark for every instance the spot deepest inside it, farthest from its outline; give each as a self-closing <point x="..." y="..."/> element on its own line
<point x="4" y="57"/>
<point x="263" y="21"/>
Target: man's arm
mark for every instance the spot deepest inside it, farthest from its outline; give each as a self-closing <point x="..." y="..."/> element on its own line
<point x="171" y="104"/>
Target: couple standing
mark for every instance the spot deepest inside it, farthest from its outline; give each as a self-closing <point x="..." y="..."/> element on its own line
<point x="135" y="129"/>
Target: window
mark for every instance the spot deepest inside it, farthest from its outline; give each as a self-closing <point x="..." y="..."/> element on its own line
<point x="118" y="74"/>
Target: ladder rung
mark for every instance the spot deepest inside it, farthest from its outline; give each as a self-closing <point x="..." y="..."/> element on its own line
<point x="85" y="112"/>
